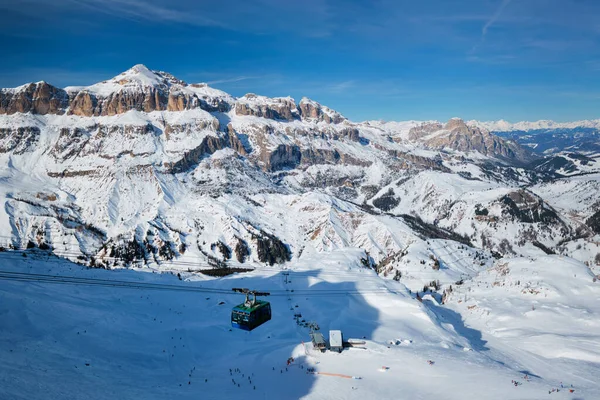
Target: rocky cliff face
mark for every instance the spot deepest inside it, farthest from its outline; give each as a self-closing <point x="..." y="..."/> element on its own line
<point x="174" y="125"/>
<point x="37" y="98"/>
<point x="88" y="104"/>
<point x="313" y="111"/>
<point x="278" y="108"/>
<point x="136" y="89"/>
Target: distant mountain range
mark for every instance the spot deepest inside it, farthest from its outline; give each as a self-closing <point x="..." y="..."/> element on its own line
<point x="526" y="126"/>
<point x="549" y="137"/>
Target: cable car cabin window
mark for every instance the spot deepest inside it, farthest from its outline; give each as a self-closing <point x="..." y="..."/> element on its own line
<point x="238" y="316"/>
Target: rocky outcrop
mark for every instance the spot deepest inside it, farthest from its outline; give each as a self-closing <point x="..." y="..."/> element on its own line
<point x="313" y="111"/>
<point x="348" y="133"/>
<point x="179" y="101"/>
<point x="88" y="104"/>
<point x="37" y="98"/>
<point x="70" y="143"/>
<point x="188" y="128"/>
<point x="278" y="108"/>
<point x="315" y="156"/>
<point x="209" y="145"/>
<point x="18" y="140"/>
<point x="83" y="104"/>
<point x="136" y="89"/>
<point x="422" y="162"/>
<point x="284" y="157"/>
<point x="211" y="103"/>
<point x="424" y="129"/>
<point x="128" y="131"/>
<point x="236" y="144"/>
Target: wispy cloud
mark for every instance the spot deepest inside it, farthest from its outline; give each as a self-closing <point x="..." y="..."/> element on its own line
<point x="341" y="86"/>
<point x="146" y="10"/>
<point x="492" y="59"/>
<point x="231" y="80"/>
<point x="135" y="10"/>
<point x="491" y="21"/>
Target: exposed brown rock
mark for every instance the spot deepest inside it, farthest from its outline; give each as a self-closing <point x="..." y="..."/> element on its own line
<point x="83" y="104"/>
<point x="209" y="145"/>
<point x="177" y="102"/>
<point x="459" y="136"/>
<point x="349" y="133"/>
<point x="38" y="98"/>
<point x="284" y="156"/>
<point x="423" y="130"/>
<point x="311" y="110"/>
<point x="423" y="162"/>
<point x="277" y="108"/>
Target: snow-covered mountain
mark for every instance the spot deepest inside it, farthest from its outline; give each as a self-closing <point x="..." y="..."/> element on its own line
<point x="434" y="221"/>
<point x="146" y="165"/>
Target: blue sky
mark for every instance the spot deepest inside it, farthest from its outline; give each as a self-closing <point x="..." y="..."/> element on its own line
<point x="378" y="59"/>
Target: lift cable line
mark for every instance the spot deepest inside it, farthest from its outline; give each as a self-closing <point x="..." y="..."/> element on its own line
<point x="114" y="281"/>
<point x="62" y="279"/>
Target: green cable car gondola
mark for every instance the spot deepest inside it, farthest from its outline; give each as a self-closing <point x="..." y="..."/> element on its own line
<point x="251" y="313"/>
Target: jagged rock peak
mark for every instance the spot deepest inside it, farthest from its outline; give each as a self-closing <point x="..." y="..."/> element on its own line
<point x="137" y="78"/>
<point x="141" y="73"/>
<point x="312" y="110"/>
<point x="38" y="98"/>
<point x="138" y="88"/>
<point x="457" y="135"/>
<point x="455" y="123"/>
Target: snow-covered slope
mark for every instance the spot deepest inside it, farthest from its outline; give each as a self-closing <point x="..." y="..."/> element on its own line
<point x="545" y="307"/>
<point x="101" y="342"/>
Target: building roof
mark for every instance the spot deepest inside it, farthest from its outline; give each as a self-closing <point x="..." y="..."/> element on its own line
<point x="335" y="338"/>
